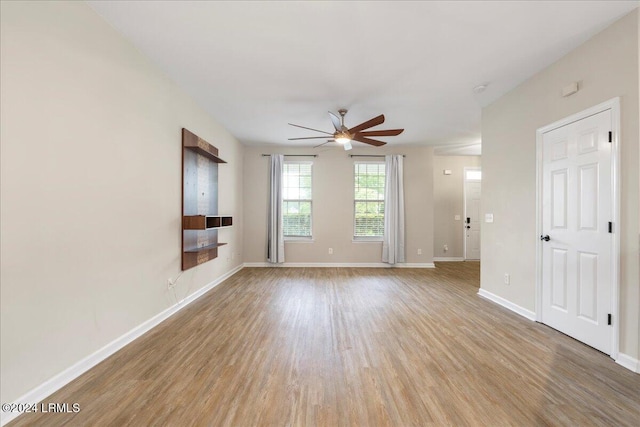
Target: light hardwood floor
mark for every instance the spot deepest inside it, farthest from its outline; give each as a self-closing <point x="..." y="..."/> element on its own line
<point x="352" y="347"/>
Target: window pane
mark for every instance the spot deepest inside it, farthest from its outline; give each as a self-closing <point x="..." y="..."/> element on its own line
<point x="473" y="175"/>
<point x="369" y="218"/>
<point x="294" y="193"/>
<point x="305" y="193"/>
<point x="297" y="195"/>
<point x="304" y="168"/>
<point x="305" y="181"/>
<point x="305" y="208"/>
<point x="369" y="199"/>
<point x="361" y="193"/>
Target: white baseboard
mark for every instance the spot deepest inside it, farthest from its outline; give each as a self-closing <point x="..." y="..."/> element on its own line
<point x="340" y="264"/>
<point x="415" y="265"/>
<point x="507" y="304"/>
<point x="63" y="378"/>
<point x="631" y="363"/>
<point x="624" y="360"/>
<point x="447" y="258"/>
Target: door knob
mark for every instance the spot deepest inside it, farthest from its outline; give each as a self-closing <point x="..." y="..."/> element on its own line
<point x="468" y="226"/>
<point x="545" y="238"/>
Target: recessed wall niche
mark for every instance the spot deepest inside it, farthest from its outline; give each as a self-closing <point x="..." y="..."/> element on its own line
<point x="200" y="219"/>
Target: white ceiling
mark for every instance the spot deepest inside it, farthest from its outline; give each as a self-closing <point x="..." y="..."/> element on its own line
<point x="256" y="66"/>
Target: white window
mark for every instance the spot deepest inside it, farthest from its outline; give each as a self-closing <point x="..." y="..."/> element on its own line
<point x="296" y="199"/>
<point x="472" y="175"/>
<point x="369" y="200"/>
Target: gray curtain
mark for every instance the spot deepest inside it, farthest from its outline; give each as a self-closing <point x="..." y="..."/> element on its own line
<point x="275" y="233"/>
<point x="393" y="239"/>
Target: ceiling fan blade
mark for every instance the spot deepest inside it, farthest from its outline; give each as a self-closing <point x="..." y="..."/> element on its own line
<point x="347" y="146"/>
<point x="335" y="120"/>
<point x="369" y="123"/>
<point x="390" y="132"/>
<point x="331" y="140"/>
<point x="358" y="137"/>
<point x="309" y="137"/>
<point x="316" y="130"/>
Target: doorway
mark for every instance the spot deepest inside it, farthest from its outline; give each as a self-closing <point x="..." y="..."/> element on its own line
<point x="472" y="192"/>
<point x="577" y="215"/>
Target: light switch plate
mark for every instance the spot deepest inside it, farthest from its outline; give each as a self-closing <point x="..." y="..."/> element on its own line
<point x="457" y="217"/>
<point x="488" y="217"/>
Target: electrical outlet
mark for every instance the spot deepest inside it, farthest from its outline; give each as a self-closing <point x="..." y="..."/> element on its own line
<point x="330" y="251"/>
<point x="446" y="248"/>
<point x="419" y="251"/>
<point x="169" y="283"/>
<point x="507" y="278"/>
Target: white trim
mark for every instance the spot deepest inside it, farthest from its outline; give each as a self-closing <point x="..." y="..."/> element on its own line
<point x="631" y="363"/>
<point x="366" y="239"/>
<point x="448" y="259"/>
<point x="58" y="381"/>
<point x="624" y="360"/>
<point x="340" y="264"/>
<point x="538" y="266"/>
<point x="613" y="105"/>
<point x="507" y="304"/>
<point x="414" y="265"/>
<point x="299" y="239"/>
<point x="615" y="205"/>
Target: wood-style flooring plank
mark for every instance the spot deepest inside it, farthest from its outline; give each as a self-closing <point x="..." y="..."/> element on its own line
<point x="350" y="347"/>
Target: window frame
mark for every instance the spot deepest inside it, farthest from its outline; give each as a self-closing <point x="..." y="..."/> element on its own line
<point x="355" y="238"/>
<point x="291" y="238"/>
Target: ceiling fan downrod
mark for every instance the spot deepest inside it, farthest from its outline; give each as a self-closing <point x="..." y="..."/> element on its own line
<point x="342" y="113"/>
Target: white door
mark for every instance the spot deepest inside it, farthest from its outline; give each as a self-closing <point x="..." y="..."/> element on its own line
<point x="576" y="240"/>
<point x="472" y="189"/>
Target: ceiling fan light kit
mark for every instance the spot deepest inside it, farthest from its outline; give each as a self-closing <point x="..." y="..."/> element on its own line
<point x="344" y="135"/>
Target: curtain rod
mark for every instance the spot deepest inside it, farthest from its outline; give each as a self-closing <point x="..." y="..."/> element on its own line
<point x="370" y="155"/>
<point x="294" y="155"/>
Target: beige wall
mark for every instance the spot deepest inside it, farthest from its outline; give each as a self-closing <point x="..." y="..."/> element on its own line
<point x="91" y="188"/>
<point x="448" y="201"/>
<point x="607" y="67"/>
<point x="333" y="207"/>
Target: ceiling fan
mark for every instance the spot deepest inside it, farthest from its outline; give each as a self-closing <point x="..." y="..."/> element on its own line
<point x="344" y="135"/>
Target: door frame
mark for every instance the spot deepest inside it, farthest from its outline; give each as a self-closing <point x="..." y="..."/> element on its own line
<point x="464" y="207"/>
<point x="614" y="106"/>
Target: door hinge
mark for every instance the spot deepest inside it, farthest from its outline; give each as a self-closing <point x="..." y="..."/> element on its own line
<point x="609" y="319"/>
<point x="610" y="227"/>
<point x="610" y="136"/>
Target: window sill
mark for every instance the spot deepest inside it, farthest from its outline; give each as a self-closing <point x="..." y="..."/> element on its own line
<point x="366" y="240"/>
<point x="299" y="240"/>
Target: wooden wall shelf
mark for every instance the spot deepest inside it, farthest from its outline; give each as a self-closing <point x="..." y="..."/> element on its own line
<point x="204" y="222"/>
<point x="200" y="222"/>
<point x="193" y="142"/>
<point x="207" y="154"/>
<point x="204" y="248"/>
